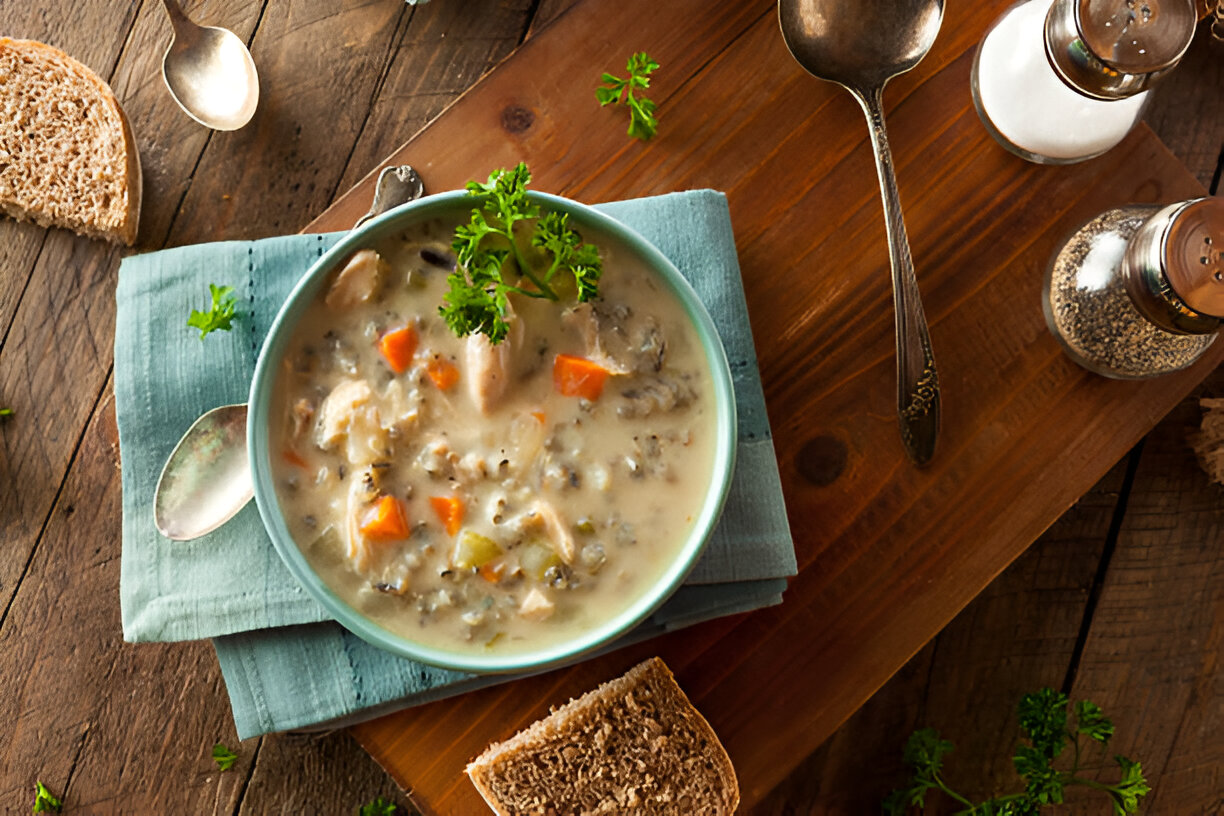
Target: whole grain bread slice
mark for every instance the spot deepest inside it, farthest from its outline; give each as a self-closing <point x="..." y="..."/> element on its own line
<point x="635" y="745"/>
<point x="67" y="156"/>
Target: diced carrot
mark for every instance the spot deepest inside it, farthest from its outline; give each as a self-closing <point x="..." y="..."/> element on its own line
<point x="444" y="373"/>
<point x="450" y="512"/>
<point x="294" y="458"/>
<point x="386" y="520"/>
<point x="493" y="572"/>
<point x="539" y="415"/>
<point x="397" y="347"/>
<point x="578" y="377"/>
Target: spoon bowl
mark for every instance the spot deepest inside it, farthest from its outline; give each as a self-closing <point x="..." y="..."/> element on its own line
<point x="860" y="45"/>
<point x="210" y="73"/>
<point x="207" y="478"/>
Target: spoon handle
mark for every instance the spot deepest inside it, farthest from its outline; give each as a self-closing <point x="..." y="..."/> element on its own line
<point x="917" y="381"/>
<point x="183" y="27"/>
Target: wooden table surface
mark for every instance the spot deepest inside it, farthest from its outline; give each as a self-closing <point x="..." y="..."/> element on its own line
<point x="128" y="729"/>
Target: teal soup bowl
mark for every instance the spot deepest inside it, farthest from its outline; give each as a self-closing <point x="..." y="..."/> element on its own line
<point x="491" y="507"/>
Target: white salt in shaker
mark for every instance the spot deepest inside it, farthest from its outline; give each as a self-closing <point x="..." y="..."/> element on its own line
<point x="1138" y="291"/>
<point x="1061" y="81"/>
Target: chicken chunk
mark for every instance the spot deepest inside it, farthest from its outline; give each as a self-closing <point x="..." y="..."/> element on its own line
<point x="536" y="606"/>
<point x="362" y="493"/>
<point x="543" y="516"/>
<point x="357" y="281"/>
<point x="347" y="415"/>
<point x="490" y="368"/>
<point x="302" y="415"/>
<point x="338" y="411"/>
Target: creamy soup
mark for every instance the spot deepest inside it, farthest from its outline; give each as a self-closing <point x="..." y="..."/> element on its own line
<point x="490" y="498"/>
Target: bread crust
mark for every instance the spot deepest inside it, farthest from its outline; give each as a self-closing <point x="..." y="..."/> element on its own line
<point x="566" y="721"/>
<point x="116" y="121"/>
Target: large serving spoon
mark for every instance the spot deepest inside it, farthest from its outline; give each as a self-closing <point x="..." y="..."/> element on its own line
<point x="210" y="73"/>
<point x="860" y="45"/>
<point x="207" y="478"/>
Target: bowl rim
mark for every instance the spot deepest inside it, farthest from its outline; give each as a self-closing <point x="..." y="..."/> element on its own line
<point x="263" y="384"/>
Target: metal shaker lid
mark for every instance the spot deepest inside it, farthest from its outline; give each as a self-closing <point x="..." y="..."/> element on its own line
<point x="1112" y="49"/>
<point x="1194" y="255"/>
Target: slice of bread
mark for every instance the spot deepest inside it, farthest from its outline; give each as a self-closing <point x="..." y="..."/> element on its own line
<point x="635" y="745"/>
<point x="67" y="156"/>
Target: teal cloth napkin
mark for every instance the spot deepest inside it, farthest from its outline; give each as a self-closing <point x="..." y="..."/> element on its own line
<point x="285" y="665"/>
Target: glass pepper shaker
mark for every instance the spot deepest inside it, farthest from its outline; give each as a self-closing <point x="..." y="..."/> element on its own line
<point x="1138" y="291"/>
<point x="1061" y="81"/>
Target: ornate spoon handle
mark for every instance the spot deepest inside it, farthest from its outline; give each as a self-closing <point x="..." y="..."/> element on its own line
<point x="917" y="381"/>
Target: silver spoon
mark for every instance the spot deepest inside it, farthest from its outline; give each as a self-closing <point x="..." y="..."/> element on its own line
<point x="860" y="45"/>
<point x="210" y="73"/>
<point x="207" y="478"/>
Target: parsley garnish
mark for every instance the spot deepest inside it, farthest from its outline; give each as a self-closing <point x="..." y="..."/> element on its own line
<point x="219" y="316"/>
<point x="492" y="250"/>
<point x="642" y="122"/>
<point x="223" y="756"/>
<point x="44" y="800"/>
<point x="1043" y="719"/>
<point x="377" y="808"/>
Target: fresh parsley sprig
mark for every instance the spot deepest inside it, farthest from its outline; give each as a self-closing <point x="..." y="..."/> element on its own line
<point x="493" y="261"/>
<point x="378" y="808"/>
<point x="220" y="315"/>
<point x="1043" y="719"/>
<point x="642" y="122"/>
<point x="44" y="800"/>
<point x="224" y="757"/>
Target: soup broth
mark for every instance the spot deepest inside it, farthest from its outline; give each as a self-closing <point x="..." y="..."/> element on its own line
<point x="490" y="498"/>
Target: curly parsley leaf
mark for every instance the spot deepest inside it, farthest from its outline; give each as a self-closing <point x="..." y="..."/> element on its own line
<point x="44" y="800"/>
<point x="220" y="315"/>
<point x="1092" y="722"/>
<point x="223" y="756"/>
<point x="642" y="122"/>
<point x="1043" y="718"/>
<point x="1127" y="793"/>
<point x="377" y="808"/>
<point x="492" y="262"/>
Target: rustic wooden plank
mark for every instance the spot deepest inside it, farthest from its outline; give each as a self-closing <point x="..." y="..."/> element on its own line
<point x="868" y="741"/>
<point x="1152" y="658"/>
<point x="1185" y="110"/>
<point x="112" y="748"/>
<point x="93" y="33"/>
<point x="313" y="102"/>
<point x="882" y="530"/>
<point x="115" y="729"/>
<point x="316" y="773"/>
<point x="546" y="12"/>
<point x="443" y="50"/>
<point x="1015" y="637"/>
<point x="58" y="349"/>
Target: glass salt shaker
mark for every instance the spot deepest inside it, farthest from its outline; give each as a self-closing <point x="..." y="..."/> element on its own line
<point x="1061" y="81"/>
<point x="1138" y="291"/>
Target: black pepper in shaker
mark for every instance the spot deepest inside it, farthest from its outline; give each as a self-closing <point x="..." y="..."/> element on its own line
<point x="1138" y="291"/>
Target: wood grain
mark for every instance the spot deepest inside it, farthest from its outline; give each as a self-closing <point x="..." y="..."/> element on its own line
<point x="53" y="367"/>
<point x="126" y="729"/>
<point x="1017" y="636"/>
<point x="844" y="776"/>
<point x="889" y="554"/>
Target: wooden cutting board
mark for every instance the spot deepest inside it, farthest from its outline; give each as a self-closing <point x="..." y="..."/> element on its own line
<point x="888" y="553"/>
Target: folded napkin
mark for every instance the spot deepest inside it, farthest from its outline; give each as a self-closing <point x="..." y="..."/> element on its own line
<point x="284" y="664"/>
